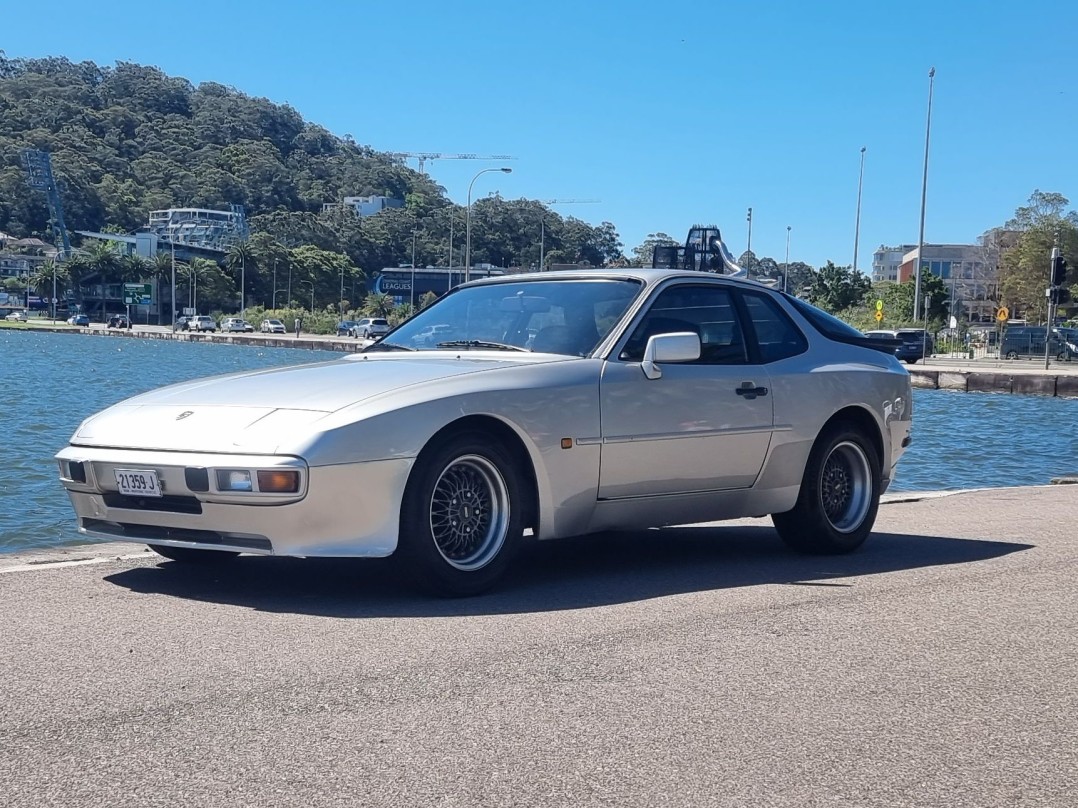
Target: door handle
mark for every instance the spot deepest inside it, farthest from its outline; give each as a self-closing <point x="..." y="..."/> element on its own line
<point x="750" y="391"/>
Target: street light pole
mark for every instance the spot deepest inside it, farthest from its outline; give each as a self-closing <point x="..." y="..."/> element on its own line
<point x="274" y="284"/>
<point x="924" y="193"/>
<point x="411" y="286"/>
<point x="857" y="224"/>
<point x="451" y="223"/>
<point x="786" y="271"/>
<point x="468" y="222"/>
<point x="748" y="248"/>
<point x="174" y="318"/>
<point x="311" y="284"/>
<point x="243" y="283"/>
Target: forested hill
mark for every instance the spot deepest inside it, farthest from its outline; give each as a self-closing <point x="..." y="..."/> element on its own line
<point x="129" y="139"/>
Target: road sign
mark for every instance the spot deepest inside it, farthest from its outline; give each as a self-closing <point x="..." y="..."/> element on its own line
<point x="1003" y="315"/>
<point x="879" y="305"/>
<point x="879" y="315"/>
<point x="138" y="294"/>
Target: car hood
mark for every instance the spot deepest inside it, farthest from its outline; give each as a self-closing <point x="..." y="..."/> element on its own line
<point x="255" y="409"/>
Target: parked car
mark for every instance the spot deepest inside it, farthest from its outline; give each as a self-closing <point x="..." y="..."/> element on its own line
<point x="183" y="323"/>
<point x="202" y="323"/>
<point x="912" y="343"/>
<point x="370" y="328"/>
<point x="344" y="328"/>
<point x="118" y="321"/>
<point x="1028" y="341"/>
<point x="272" y="327"/>
<point x="79" y="319"/>
<point x="432" y="335"/>
<point x="233" y="324"/>
<point x="18" y="317"/>
<point x="648" y="398"/>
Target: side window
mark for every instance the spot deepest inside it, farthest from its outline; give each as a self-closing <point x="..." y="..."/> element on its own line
<point x="776" y="335"/>
<point x="704" y="310"/>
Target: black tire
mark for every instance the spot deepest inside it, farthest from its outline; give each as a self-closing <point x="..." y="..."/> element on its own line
<point x="192" y="555"/>
<point x="1012" y="354"/>
<point x="911" y="361"/>
<point x="840" y="495"/>
<point x="1063" y="356"/>
<point x="366" y="334"/>
<point x="463" y="516"/>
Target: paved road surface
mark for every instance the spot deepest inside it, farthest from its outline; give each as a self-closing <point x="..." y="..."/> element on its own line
<point x="684" y="667"/>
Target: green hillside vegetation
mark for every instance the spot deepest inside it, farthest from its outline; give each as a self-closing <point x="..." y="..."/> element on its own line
<point x="129" y="139"/>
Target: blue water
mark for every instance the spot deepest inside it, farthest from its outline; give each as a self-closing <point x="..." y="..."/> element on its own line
<point x="50" y="382"/>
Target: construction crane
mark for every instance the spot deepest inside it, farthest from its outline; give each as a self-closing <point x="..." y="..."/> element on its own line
<point x="569" y="201"/>
<point x="423" y="157"/>
<point x="39" y="175"/>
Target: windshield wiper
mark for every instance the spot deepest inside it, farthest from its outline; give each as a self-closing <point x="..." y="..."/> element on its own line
<point x="478" y="343"/>
<point x="386" y="346"/>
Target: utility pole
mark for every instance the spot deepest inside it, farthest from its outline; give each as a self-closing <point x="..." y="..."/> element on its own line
<point x="924" y="193"/>
<point x="857" y="223"/>
<point x="748" y="248"/>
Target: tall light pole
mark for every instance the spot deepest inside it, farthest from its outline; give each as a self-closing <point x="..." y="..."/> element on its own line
<point x="411" y="286"/>
<point x="748" y="248"/>
<point x="542" y="239"/>
<point x="857" y="223"/>
<point x="174" y="318"/>
<point x="243" y="283"/>
<point x="311" y="284"/>
<point x="924" y="193"/>
<point x="468" y="222"/>
<point x="275" y="284"/>
<point x="451" y="223"/>
<point x="786" y="271"/>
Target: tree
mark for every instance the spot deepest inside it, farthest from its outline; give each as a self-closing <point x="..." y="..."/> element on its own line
<point x="838" y="288"/>
<point x="644" y="252"/>
<point x="426" y="299"/>
<point x="377" y="305"/>
<point x="1024" y="267"/>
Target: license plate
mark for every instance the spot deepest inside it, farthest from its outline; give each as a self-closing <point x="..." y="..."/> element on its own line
<point x="138" y="482"/>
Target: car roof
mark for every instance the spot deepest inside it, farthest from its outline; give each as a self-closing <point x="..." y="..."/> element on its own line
<point x="649" y="276"/>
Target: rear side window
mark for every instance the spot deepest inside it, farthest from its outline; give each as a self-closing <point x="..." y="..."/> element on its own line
<point x="776" y="335"/>
<point x="826" y="324"/>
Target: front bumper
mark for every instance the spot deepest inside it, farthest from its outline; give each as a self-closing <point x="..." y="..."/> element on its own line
<point x="348" y="510"/>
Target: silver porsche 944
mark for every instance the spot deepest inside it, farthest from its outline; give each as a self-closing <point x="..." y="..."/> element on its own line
<point x="515" y="408"/>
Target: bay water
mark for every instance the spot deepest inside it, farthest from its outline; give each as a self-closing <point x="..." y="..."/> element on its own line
<point x="51" y="382"/>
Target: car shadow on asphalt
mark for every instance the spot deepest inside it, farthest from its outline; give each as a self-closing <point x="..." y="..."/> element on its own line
<point x="574" y="573"/>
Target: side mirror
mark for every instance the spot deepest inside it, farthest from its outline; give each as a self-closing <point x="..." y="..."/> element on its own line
<point x="680" y="347"/>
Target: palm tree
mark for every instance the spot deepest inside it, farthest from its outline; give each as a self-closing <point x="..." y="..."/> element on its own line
<point x="161" y="271"/>
<point x="102" y="260"/>
<point x="238" y="256"/>
<point x="378" y="305"/>
<point x="50" y="280"/>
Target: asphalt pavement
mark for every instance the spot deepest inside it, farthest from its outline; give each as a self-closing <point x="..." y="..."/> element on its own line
<point x="692" y="666"/>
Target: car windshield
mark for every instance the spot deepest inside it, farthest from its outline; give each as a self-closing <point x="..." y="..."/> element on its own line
<point x="564" y="316"/>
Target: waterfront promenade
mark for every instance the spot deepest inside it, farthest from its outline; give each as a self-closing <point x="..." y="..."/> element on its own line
<point x="701" y="665"/>
<point x="982" y="374"/>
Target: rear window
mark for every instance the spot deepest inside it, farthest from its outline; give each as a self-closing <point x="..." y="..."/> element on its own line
<point x="379" y="322"/>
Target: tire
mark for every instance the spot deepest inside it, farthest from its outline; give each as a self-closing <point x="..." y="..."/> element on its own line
<point x="911" y="361"/>
<point x="1012" y="354"/>
<point x="366" y="334"/>
<point x="839" y="497"/>
<point x="447" y="545"/>
<point x="191" y="555"/>
<point x="1063" y="356"/>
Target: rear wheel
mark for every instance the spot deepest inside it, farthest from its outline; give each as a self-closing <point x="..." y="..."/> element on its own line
<point x="1064" y="356"/>
<point x="463" y="515"/>
<point x="840" y="495"/>
<point x="1012" y="354"/>
<point x="192" y="555"/>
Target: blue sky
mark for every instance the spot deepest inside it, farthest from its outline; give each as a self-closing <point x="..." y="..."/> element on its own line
<point x="669" y="113"/>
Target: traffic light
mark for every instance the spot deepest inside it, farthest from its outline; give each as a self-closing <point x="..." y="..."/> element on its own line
<point x="1059" y="270"/>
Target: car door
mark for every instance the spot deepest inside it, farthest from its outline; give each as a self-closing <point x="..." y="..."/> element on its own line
<point x="703" y="425"/>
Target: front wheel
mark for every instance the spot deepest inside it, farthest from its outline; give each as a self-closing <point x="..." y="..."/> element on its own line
<point x="1063" y="356"/>
<point x="462" y="518"/>
<point x="1012" y="354"/>
<point x="191" y="555"/>
<point x="839" y="497"/>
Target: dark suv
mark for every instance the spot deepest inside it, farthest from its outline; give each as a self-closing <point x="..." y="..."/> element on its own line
<point x="916" y="343"/>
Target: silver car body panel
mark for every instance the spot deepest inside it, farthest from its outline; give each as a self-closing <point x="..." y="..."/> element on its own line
<point x="677" y="449"/>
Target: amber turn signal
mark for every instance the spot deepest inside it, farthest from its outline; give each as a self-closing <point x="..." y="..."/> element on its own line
<point x="567" y="443"/>
<point x="279" y="481"/>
